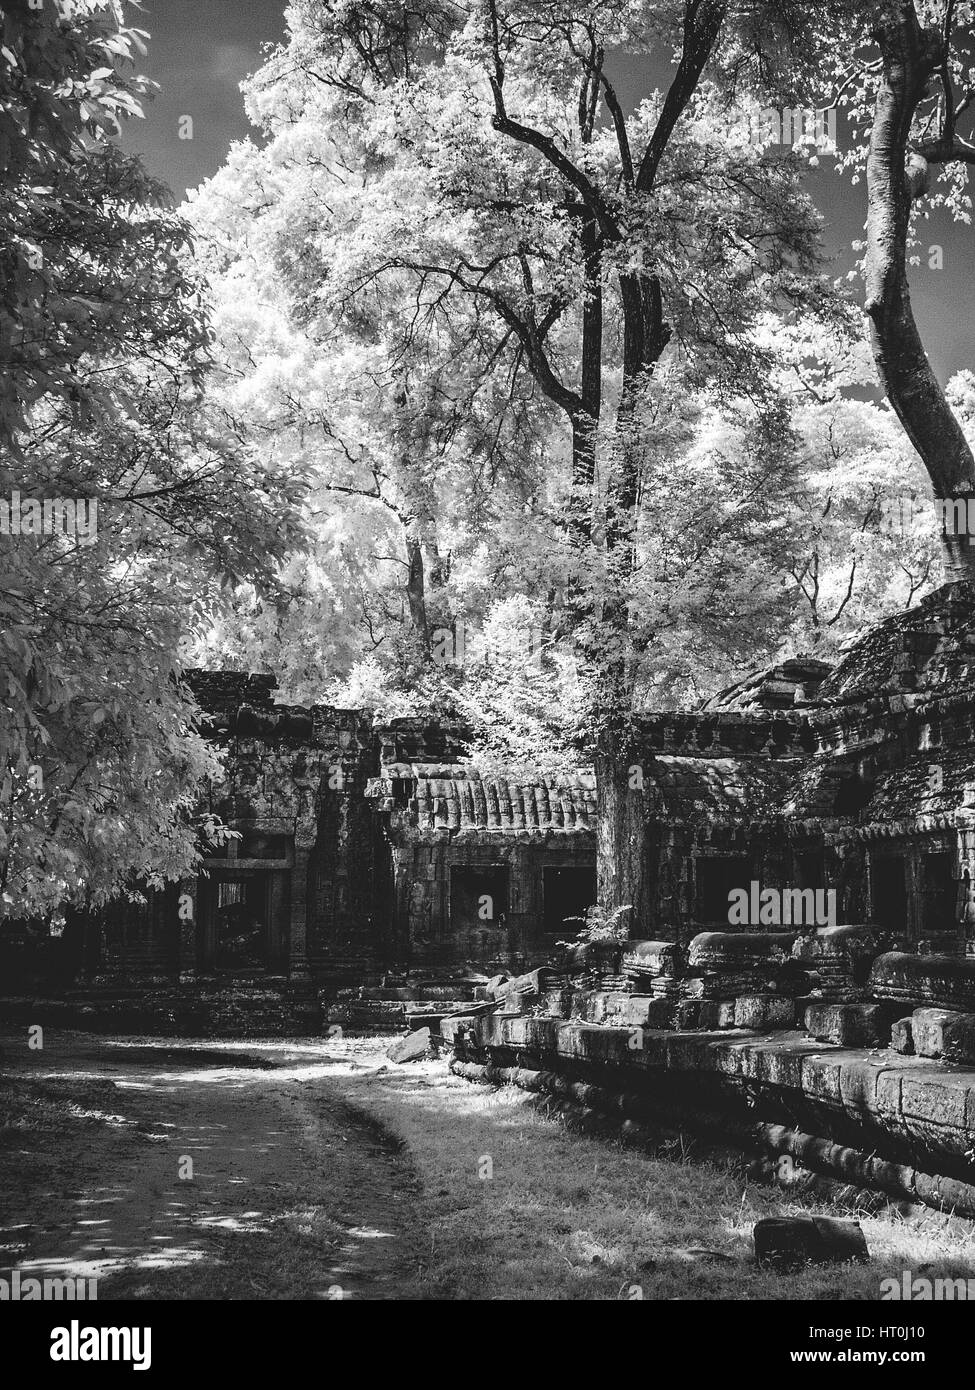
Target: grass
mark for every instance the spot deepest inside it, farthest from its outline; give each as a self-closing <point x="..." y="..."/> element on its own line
<point x="482" y="1193"/>
<point x="517" y="1206"/>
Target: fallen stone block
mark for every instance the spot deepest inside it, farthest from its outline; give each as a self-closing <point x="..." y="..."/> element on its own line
<point x="528" y="986"/>
<point x="927" y="1030"/>
<point x="411" y="1048"/>
<point x="648" y="1011"/>
<point x="849" y="1025"/>
<point x="650" y="959"/>
<point x="943" y="1033"/>
<point x="940" y="982"/>
<point x="557" y="1002"/>
<point x="902" y="1037"/>
<point x="846" y="942"/>
<point x="791" y="1242"/>
<point x="764" y="1012"/>
<point x="739" y="950"/>
<point x="959" y="1039"/>
<point x="693" y="1015"/>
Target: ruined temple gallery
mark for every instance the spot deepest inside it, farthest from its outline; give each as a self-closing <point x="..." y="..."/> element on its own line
<point x="368" y="850"/>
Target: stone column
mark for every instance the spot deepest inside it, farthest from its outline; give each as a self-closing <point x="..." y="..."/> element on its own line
<point x="402" y="857"/>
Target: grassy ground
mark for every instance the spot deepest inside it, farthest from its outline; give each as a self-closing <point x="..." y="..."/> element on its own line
<point x="569" y="1217"/>
<point x="322" y="1164"/>
<point x="288" y="1195"/>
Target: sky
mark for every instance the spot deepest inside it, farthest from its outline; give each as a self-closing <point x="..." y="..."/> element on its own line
<point x="199" y="53"/>
<point x="201" y="50"/>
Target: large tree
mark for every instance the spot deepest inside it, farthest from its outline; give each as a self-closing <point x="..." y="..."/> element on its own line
<point x="469" y="193"/>
<point x="907" y="79"/>
<point x="103" y="348"/>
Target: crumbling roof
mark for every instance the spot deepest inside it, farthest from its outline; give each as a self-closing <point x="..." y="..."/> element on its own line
<point x="696" y="789"/>
<point x="459" y="798"/>
<point x="928" y="791"/>
<point x="778" y="687"/>
<point x="928" y="650"/>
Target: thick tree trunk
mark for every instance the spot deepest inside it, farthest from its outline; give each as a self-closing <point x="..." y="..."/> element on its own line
<point x="622" y="858"/>
<point x="622" y="868"/>
<point x="416" y="592"/>
<point x="895" y="176"/>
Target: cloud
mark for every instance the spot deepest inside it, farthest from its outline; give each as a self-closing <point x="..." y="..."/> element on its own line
<point x="232" y="62"/>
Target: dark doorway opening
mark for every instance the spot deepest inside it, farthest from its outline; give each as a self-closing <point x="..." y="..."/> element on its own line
<point x="939" y="894"/>
<point x="717" y="876"/>
<point x="478" y="897"/>
<point x="240" y="915"/>
<point x="888" y="885"/>
<point x="244" y="919"/>
<point x="566" y="893"/>
<point x="810" y="868"/>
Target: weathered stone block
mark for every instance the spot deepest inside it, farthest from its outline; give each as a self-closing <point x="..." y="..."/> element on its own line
<point x="888" y="1093"/>
<point x="936" y="1102"/>
<point x="943" y="1033"/>
<point x="411" y="1048"/>
<point x="764" y="1012"/>
<point x="902" y="1037"/>
<point x="691" y="1014"/>
<point x="652" y="959"/>
<point x="691" y="1051"/>
<point x="831" y="942"/>
<point x="789" y="1242"/>
<point x="821" y="1078"/>
<point x="849" y="1025"/>
<point x="646" y="1011"/>
<point x="735" y="950"/>
<point x="927" y="1031"/>
<point x="858" y="1084"/>
<point x="515" y="1031"/>
<point x="542" y="1034"/>
<point x="959" y="1039"/>
<point x="944" y="982"/>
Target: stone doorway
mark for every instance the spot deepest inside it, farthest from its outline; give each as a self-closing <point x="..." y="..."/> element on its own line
<point x="244" y="920"/>
<point x="567" y="892"/>
<point x="888" y="885"/>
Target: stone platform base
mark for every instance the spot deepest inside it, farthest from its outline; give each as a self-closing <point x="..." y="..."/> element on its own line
<point x="902" y="1125"/>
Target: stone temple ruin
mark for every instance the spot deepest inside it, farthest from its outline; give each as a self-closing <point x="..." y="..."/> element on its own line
<point x="364" y="854"/>
<point x="379" y="880"/>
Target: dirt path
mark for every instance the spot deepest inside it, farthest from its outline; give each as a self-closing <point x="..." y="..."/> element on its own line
<point x="293" y="1194"/>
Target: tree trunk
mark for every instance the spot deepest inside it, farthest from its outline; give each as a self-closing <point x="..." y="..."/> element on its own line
<point x="622" y="859"/>
<point x="416" y="592"/>
<point x="622" y="867"/>
<point x="895" y="176"/>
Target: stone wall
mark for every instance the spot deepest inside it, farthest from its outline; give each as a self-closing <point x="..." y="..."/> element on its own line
<point x="855" y="1061"/>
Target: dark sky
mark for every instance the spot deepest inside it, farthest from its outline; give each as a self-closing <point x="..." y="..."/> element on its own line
<point x="200" y="50"/>
<point x="199" y="53"/>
